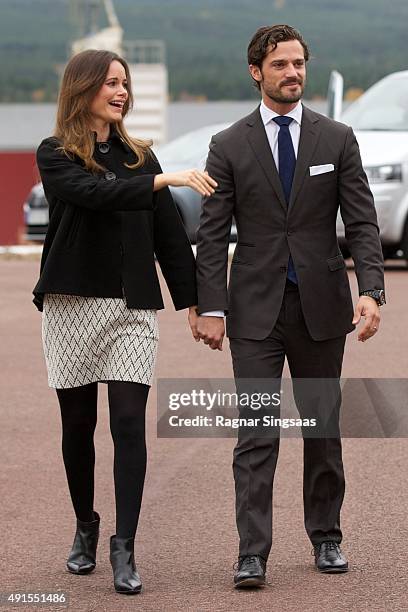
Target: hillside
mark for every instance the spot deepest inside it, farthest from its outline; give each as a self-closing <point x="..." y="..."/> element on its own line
<point x="206" y="41"/>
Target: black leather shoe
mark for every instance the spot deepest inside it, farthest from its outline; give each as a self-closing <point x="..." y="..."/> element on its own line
<point x="125" y="575"/>
<point x="329" y="558"/>
<point x="82" y="558"/>
<point x="250" y="572"/>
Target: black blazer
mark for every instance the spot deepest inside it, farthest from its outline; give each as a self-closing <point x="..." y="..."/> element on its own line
<point x="241" y="161"/>
<point x="104" y="231"/>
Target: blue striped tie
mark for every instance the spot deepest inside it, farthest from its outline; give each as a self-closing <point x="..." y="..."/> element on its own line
<point x="287" y="163"/>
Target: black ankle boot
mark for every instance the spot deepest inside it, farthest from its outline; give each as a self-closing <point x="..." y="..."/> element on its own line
<point x="125" y="575"/>
<point x="82" y="558"/>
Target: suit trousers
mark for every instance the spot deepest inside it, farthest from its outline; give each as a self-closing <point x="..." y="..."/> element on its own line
<point x="255" y="458"/>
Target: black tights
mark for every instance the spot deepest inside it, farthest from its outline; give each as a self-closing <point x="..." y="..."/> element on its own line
<point x="127" y="408"/>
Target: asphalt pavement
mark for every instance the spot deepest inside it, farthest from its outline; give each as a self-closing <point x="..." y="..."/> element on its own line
<point x="186" y="543"/>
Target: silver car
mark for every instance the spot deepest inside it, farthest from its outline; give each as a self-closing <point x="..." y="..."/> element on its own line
<point x="190" y="151"/>
<point x="36" y="215"/>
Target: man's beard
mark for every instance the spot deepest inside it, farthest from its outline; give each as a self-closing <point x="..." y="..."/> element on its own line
<point x="276" y="94"/>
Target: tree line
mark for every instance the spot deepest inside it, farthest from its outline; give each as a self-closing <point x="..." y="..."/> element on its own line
<point x="206" y="42"/>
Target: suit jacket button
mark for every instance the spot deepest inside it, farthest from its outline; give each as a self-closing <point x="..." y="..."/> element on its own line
<point x="282" y="269"/>
<point x="110" y="176"/>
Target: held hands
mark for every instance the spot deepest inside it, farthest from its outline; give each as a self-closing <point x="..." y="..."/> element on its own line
<point x="212" y="329"/>
<point x="368" y="308"/>
<point x="209" y="329"/>
<point x="197" y="180"/>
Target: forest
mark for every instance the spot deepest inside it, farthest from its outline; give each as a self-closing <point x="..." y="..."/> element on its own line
<point x="206" y="42"/>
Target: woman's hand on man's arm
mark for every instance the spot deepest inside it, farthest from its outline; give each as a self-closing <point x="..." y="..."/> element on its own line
<point x="197" y="180"/>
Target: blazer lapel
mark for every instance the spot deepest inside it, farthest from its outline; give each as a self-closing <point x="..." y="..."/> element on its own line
<point x="309" y="137"/>
<point x="260" y="145"/>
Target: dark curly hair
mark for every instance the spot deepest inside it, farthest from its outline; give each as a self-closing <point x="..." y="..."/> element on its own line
<point x="267" y="38"/>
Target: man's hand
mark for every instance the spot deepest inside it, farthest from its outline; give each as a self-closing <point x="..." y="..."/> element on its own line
<point x="192" y="320"/>
<point x="368" y="308"/>
<point x="212" y="331"/>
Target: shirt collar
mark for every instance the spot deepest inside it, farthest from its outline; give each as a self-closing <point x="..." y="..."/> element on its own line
<point x="267" y="114"/>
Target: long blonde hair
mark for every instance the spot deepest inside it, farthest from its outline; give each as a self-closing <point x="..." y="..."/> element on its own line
<point x="84" y="75"/>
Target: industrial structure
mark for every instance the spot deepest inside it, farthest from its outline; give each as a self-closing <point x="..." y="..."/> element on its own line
<point x="146" y="59"/>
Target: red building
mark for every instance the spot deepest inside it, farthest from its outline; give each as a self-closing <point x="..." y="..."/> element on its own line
<point x="23" y="126"/>
<point x="18" y="174"/>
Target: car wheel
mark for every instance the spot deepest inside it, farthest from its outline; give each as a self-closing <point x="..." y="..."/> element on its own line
<point x="187" y="226"/>
<point x="189" y="207"/>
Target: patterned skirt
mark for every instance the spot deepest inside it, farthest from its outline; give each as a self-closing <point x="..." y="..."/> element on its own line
<point x="89" y="339"/>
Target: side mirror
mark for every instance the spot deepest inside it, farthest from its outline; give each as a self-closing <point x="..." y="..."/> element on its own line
<point x="335" y="95"/>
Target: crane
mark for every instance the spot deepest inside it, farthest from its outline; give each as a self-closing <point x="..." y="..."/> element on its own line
<point x="146" y="60"/>
<point x="87" y="14"/>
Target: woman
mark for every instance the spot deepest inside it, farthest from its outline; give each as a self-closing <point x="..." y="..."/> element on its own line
<point x="110" y="212"/>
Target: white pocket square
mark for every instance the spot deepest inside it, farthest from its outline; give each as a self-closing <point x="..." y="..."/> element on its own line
<point x="321" y="169"/>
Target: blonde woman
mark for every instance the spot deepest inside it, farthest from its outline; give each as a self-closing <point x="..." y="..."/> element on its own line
<point x="110" y="213"/>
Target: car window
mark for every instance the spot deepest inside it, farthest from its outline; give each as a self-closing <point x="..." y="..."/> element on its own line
<point x="39" y="201"/>
<point x="383" y="107"/>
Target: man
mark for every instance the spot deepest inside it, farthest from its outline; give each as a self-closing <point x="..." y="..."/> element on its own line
<point x="283" y="172"/>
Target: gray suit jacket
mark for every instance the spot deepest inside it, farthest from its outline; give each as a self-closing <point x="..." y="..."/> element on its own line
<point x="249" y="188"/>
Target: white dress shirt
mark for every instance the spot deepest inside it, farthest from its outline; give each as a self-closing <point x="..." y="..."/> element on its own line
<point x="272" y="128"/>
<point x="272" y="131"/>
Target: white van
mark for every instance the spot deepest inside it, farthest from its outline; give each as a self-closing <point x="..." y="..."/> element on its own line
<point x="379" y="119"/>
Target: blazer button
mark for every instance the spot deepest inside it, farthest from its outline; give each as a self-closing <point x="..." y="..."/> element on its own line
<point x="289" y="232"/>
<point x="282" y="269"/>
<point x="110" y="176"/>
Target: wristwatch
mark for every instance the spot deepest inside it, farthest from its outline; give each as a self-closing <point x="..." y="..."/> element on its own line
<point x="377" y="294"/>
